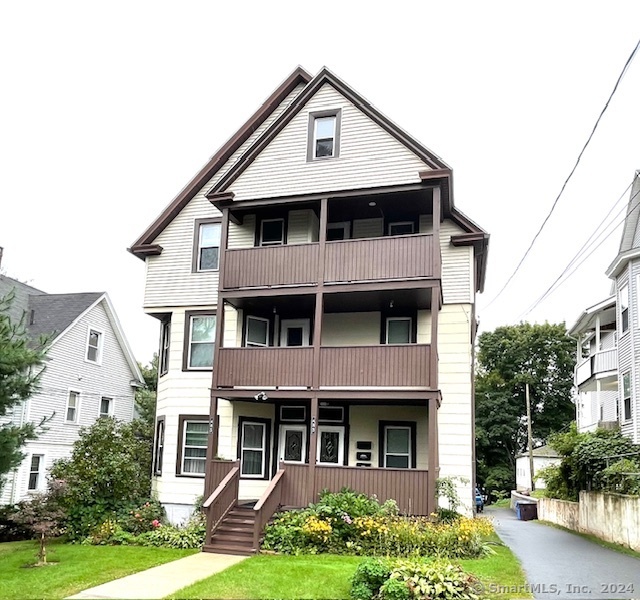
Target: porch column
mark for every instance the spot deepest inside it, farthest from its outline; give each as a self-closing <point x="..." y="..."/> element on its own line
<point x="437" y="257"/>
<point x="435" y="311"/>
<point x="597" y="333"/>
<point x="434" y="466"/>
<point x="313" y="444"/>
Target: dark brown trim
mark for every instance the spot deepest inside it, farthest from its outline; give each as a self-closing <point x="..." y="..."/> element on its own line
<point x="352" y="396"/>
<point x="181" y="421"/>
<point x="433" y="454"/>
<point x="381" y="427"/>
<point x="144" y="250"/>
<point x="337" y="113"/>
<point x="187" y="337"/>
<point x="467" y="239"/>
<point x="195" y="255"/>
<point x="322" y="78"/>
<point x="158" y="449"/>
<point x="164" y="353"/>
<point x="298" y="76"/>
<point x="267" y="445"/>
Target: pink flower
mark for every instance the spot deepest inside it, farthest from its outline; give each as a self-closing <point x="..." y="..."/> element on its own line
<point x="155" y="523"/>
<point x="137" y="515"/>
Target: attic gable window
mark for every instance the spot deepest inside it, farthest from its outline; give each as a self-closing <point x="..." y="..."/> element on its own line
<point x="94" y="346"/>
<point x="324" y="135"/>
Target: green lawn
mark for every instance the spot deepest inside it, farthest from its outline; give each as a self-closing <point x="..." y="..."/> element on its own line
<point x="328" y="576"/>
<point x="78" y="567"/>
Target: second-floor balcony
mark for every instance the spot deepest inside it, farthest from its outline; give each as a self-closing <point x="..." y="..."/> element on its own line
<point x="599" y="365"/>
<point x="369" y="259"/>
<point x="401" y="365"/>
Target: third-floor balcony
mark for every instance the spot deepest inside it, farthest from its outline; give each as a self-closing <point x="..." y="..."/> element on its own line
<point x="601" y="365"/>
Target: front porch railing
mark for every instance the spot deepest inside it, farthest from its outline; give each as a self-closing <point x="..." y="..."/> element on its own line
<point x="221" y="501"/>
<point x="267" y="506"/>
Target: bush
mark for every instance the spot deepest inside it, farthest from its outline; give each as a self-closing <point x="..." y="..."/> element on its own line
<point x="622" y="477"/>
<point x="146" y="517"/>
<point x="169" y="536"/>
<point x="10" y="531"/>
<point x="403" y="580"/>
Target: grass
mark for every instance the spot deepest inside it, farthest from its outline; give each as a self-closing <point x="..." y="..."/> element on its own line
<point x="78" y="567"/>
<point x="329" y="576"/>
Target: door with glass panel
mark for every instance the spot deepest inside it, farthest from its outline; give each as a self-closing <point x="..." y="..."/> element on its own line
<point x="293" y="443"/>
<point x="330" y="449"/>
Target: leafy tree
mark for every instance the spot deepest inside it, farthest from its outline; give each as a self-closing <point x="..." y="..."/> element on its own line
<point x="21" y="365"/>
<point x="103" y="476"/>
<point x="508" y="359"/>
<point x="143" y="426"/>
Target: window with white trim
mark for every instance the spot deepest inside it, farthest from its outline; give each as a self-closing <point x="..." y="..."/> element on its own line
<point x="272" y="232"/>
<point x="257" y="332"/>
<point x="35" y="471"/>
<point x="253" y="449"/>
<point x="398" y="330"/>
<point x="94" y="346"/>
<point x="202" y="337"/>
<point x="208" y="247"/>
<point x="401" y="228"/>
<point x="626" y="396"/>
<point x="158" y="449"/>
<point x="194" y="447"/>
<point x="397" y="446"/>
<point x="106" y="406"/>
<point x="624" y="308"/>
<point x="73" y="407"/>
<point x="165" y="336"/>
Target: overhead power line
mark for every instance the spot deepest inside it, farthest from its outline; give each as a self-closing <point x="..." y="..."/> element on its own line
<point x="559" y="280"/>
<point x="566" y="181"/>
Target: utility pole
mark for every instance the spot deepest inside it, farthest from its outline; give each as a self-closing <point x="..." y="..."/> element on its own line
<point x="529" y="435"/>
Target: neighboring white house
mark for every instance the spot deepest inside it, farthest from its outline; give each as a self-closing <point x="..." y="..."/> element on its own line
<point x="543" y="456"/>
<point x="90" y="372"/>
<point x="309" y="301"/>
<point x="607" y="375"/>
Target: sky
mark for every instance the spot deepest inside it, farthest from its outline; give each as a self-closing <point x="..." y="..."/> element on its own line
<point x="108" y="109"/>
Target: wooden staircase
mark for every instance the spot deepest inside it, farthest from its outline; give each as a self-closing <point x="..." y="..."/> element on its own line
<point x="234" y="535"/>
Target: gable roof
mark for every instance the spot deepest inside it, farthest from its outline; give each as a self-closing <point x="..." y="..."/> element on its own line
<point x="322" y="78"/>
<point x="606" y="309"/>
<point x="144" y="246"/>
<point x="54" y="313"/>
<point x="630" y="241"/>
<point x="21" y="294"/>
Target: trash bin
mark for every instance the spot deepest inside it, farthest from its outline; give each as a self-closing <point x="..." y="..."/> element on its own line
<point x="526" y="511"/>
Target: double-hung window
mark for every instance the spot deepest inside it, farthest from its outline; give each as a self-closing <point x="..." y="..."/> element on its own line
<point x="106" y="407"/>
<point x="208" y="246"/>
<point x="94" y="346"/>
<point x="398" y="330"/>
<point x="257" y="332"/>
<point x="194" y="447"/>
<point x="159" y="447"/>
<point x="165" y="336"/>
<point x="35" y="471"/>
<point x="624" y="308"/>
<point x="626" y="396"/>
<point x="253" y="449"/>
<point x="202" y="337"/>
<point x="324" y="135"/>
<point x="73" y="407"/>
<point x="397" y="444"/>
<point x="272" y="232"/>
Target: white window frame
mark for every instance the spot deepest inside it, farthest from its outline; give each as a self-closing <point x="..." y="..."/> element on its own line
<point x="201" y="247"/>
<point x="386" y="332"/>
<point x="304" y="324"/>
<point x="624" y="308"/>
<point x="190" y="341"/>
<point x="99" y="348"/>
<point x="280" y="242"/>
<point x="264" y="450"/>
<point x="77" y="396"/>
<point x="385" y="453"/>
<point x="626" y="394"/>
<point x="111" y="406"/>
<point x="294" y="427"/>
<point x="344" y="225"/>
<point x="341" y="433"/>
<point x="183" y="471"/>
<point x="37" y="473"/>
<point x="246" y="333"/>
<point x="413" y="227"/>
<point x="158" y="450"/>
<point x="165" y="344"/>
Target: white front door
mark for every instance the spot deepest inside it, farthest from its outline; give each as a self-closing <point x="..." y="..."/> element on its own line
<point x="293" y="443"/>
<point x="330" y="449"/>
<point x="294" y="332"/>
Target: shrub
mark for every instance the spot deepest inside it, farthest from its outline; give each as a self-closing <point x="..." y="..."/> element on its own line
<point x="369" y="577"/>
<point x="622" y="477"/>
<point x="169" y="536"/>
<point x="10" y="531"/>
<point x="145" y="517"/>
<point x="284" y="534"/>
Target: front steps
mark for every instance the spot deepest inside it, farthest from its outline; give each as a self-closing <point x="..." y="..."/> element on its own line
<point x="235" y="534"/>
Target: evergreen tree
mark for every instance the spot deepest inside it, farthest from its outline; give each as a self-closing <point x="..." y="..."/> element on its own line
<point x="21" y="364"/>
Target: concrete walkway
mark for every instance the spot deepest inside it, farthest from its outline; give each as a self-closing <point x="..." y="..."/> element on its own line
<point x="561" y="565"/>
<point x="163" y="580"/>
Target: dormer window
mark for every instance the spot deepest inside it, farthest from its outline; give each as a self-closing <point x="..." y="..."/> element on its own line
<point x="324" y="135"/>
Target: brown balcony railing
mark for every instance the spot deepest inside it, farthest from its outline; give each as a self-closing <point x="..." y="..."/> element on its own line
<point x="274" y="265"/>
<point x="400" y="257"/>
<point x="265" y="366"/>
<point x="380" y="366"/>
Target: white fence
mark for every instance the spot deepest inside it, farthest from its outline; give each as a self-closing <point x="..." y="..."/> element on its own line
<point x="611" y="517"/>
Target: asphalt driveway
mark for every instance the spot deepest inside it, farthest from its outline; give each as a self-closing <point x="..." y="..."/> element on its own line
<point x="560" y="565"/>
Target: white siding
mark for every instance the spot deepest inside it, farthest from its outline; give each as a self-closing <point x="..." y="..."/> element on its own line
<point x="242" y="236"/>
<point x="169" y="280"/>
<point x="455" y="417"/>
<point x="67" y="369"/>
<point x="351" y="329"/>
<point x="369" y="156"/>
<point x="367" y="228"/>
<point x="625" y="347"/>
<point x="300" y="227"/>
<point x="458" y="285"/>
<point x="423" y="334"/>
